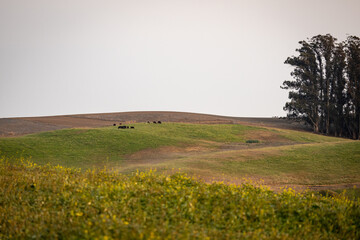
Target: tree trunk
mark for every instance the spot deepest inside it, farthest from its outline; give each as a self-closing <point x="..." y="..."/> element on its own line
<point x="316" y="128"/>
<point x="327" y="121"/>
<point x="358" y="118"/>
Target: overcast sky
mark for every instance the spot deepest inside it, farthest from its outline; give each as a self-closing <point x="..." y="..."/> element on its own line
<point x="218" y="57"/>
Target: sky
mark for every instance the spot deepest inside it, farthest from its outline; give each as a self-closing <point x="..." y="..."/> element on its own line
<point x="206" y="56"/>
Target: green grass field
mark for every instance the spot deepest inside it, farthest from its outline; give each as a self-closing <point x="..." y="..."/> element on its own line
<point x="45" y="195"/>
<point x="303" y="164"/>
<point x="218" y="152"/>
<point x="45" y="202"/>
<point x="90" y="147"/>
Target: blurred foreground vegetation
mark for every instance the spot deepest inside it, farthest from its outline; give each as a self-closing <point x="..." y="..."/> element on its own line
<point x="47" y="202"/>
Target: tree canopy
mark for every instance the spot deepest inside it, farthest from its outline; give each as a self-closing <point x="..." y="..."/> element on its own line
<point x="325" y="90"/>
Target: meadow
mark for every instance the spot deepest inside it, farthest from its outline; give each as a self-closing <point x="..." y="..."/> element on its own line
<point x="212" y="152"/>
<point x="89" y="147"/>
<point x="47" y="202"/>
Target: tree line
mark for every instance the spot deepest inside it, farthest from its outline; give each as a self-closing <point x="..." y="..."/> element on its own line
<point x="325" y="90"/>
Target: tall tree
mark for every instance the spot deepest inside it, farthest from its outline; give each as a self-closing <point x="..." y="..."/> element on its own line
<point x="353" y="73"/>
<point x="339" y="92"/>
<point x="304" y="94"/>
<point x="323" y="47"/>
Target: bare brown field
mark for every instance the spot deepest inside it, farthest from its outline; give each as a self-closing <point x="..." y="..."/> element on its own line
<point x="11" y="127"/>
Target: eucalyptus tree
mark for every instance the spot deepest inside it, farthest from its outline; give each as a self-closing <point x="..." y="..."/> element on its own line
<point x="353" y="75"/>
<point x="339" y="99"/>
<point x="310" y="95"/>
<point x="325" y="90"/>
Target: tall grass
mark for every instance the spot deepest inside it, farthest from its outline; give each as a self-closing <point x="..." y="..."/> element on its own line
<point x="46" y="202"/>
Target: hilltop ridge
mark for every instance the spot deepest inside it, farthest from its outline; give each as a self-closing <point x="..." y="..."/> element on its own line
<point x="26" y="125"/>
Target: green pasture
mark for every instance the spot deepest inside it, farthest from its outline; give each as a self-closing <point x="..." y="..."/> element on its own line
<point x="302" y="164"/>
<point x="90" y="147"/>
<point x="280" y="156"/>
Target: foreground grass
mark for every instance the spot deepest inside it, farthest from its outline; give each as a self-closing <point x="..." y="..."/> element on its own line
<point x="44" y="202"/>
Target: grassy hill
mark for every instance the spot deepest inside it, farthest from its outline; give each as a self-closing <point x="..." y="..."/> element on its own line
<point x="87" y="147"/>
<point x="10" y="127"/>
<point x="44" y="202"/>
<point x="211" y="152"/>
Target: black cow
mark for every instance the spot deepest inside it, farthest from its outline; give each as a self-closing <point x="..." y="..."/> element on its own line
<point x="132" y="127"/>
<point x="114" y="124"/>
<point x="159" y="122"/>
<point x="154" y="122"/>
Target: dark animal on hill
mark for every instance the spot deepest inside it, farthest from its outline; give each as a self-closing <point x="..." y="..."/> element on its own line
<point x="114" y="124"/>
<point x="148" y="122"/>
<point x="132" y="127"/>
<point x="154" y="122"/>
<point x="159" y="122"/>
<point x="120" y="123"/>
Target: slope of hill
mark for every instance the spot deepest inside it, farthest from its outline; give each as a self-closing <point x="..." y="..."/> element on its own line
<point x="213" y="152"/>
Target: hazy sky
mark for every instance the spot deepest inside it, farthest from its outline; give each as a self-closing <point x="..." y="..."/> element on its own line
<point x="219" y="57"/>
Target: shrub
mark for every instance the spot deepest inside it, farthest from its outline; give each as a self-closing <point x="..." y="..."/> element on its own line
<point x="45" y="202"/>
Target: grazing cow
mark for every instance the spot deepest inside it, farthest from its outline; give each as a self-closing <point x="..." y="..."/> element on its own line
<point x="121" y="127"/>
<point x="159" y="122"/>
<point x="148" y="122"/>
<point x="154" y="122"/>
<point x="127" y="126"/>
<point x="114" y="124"/>
<point x="132" y="127"/>
<point x="119" y="123"/>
